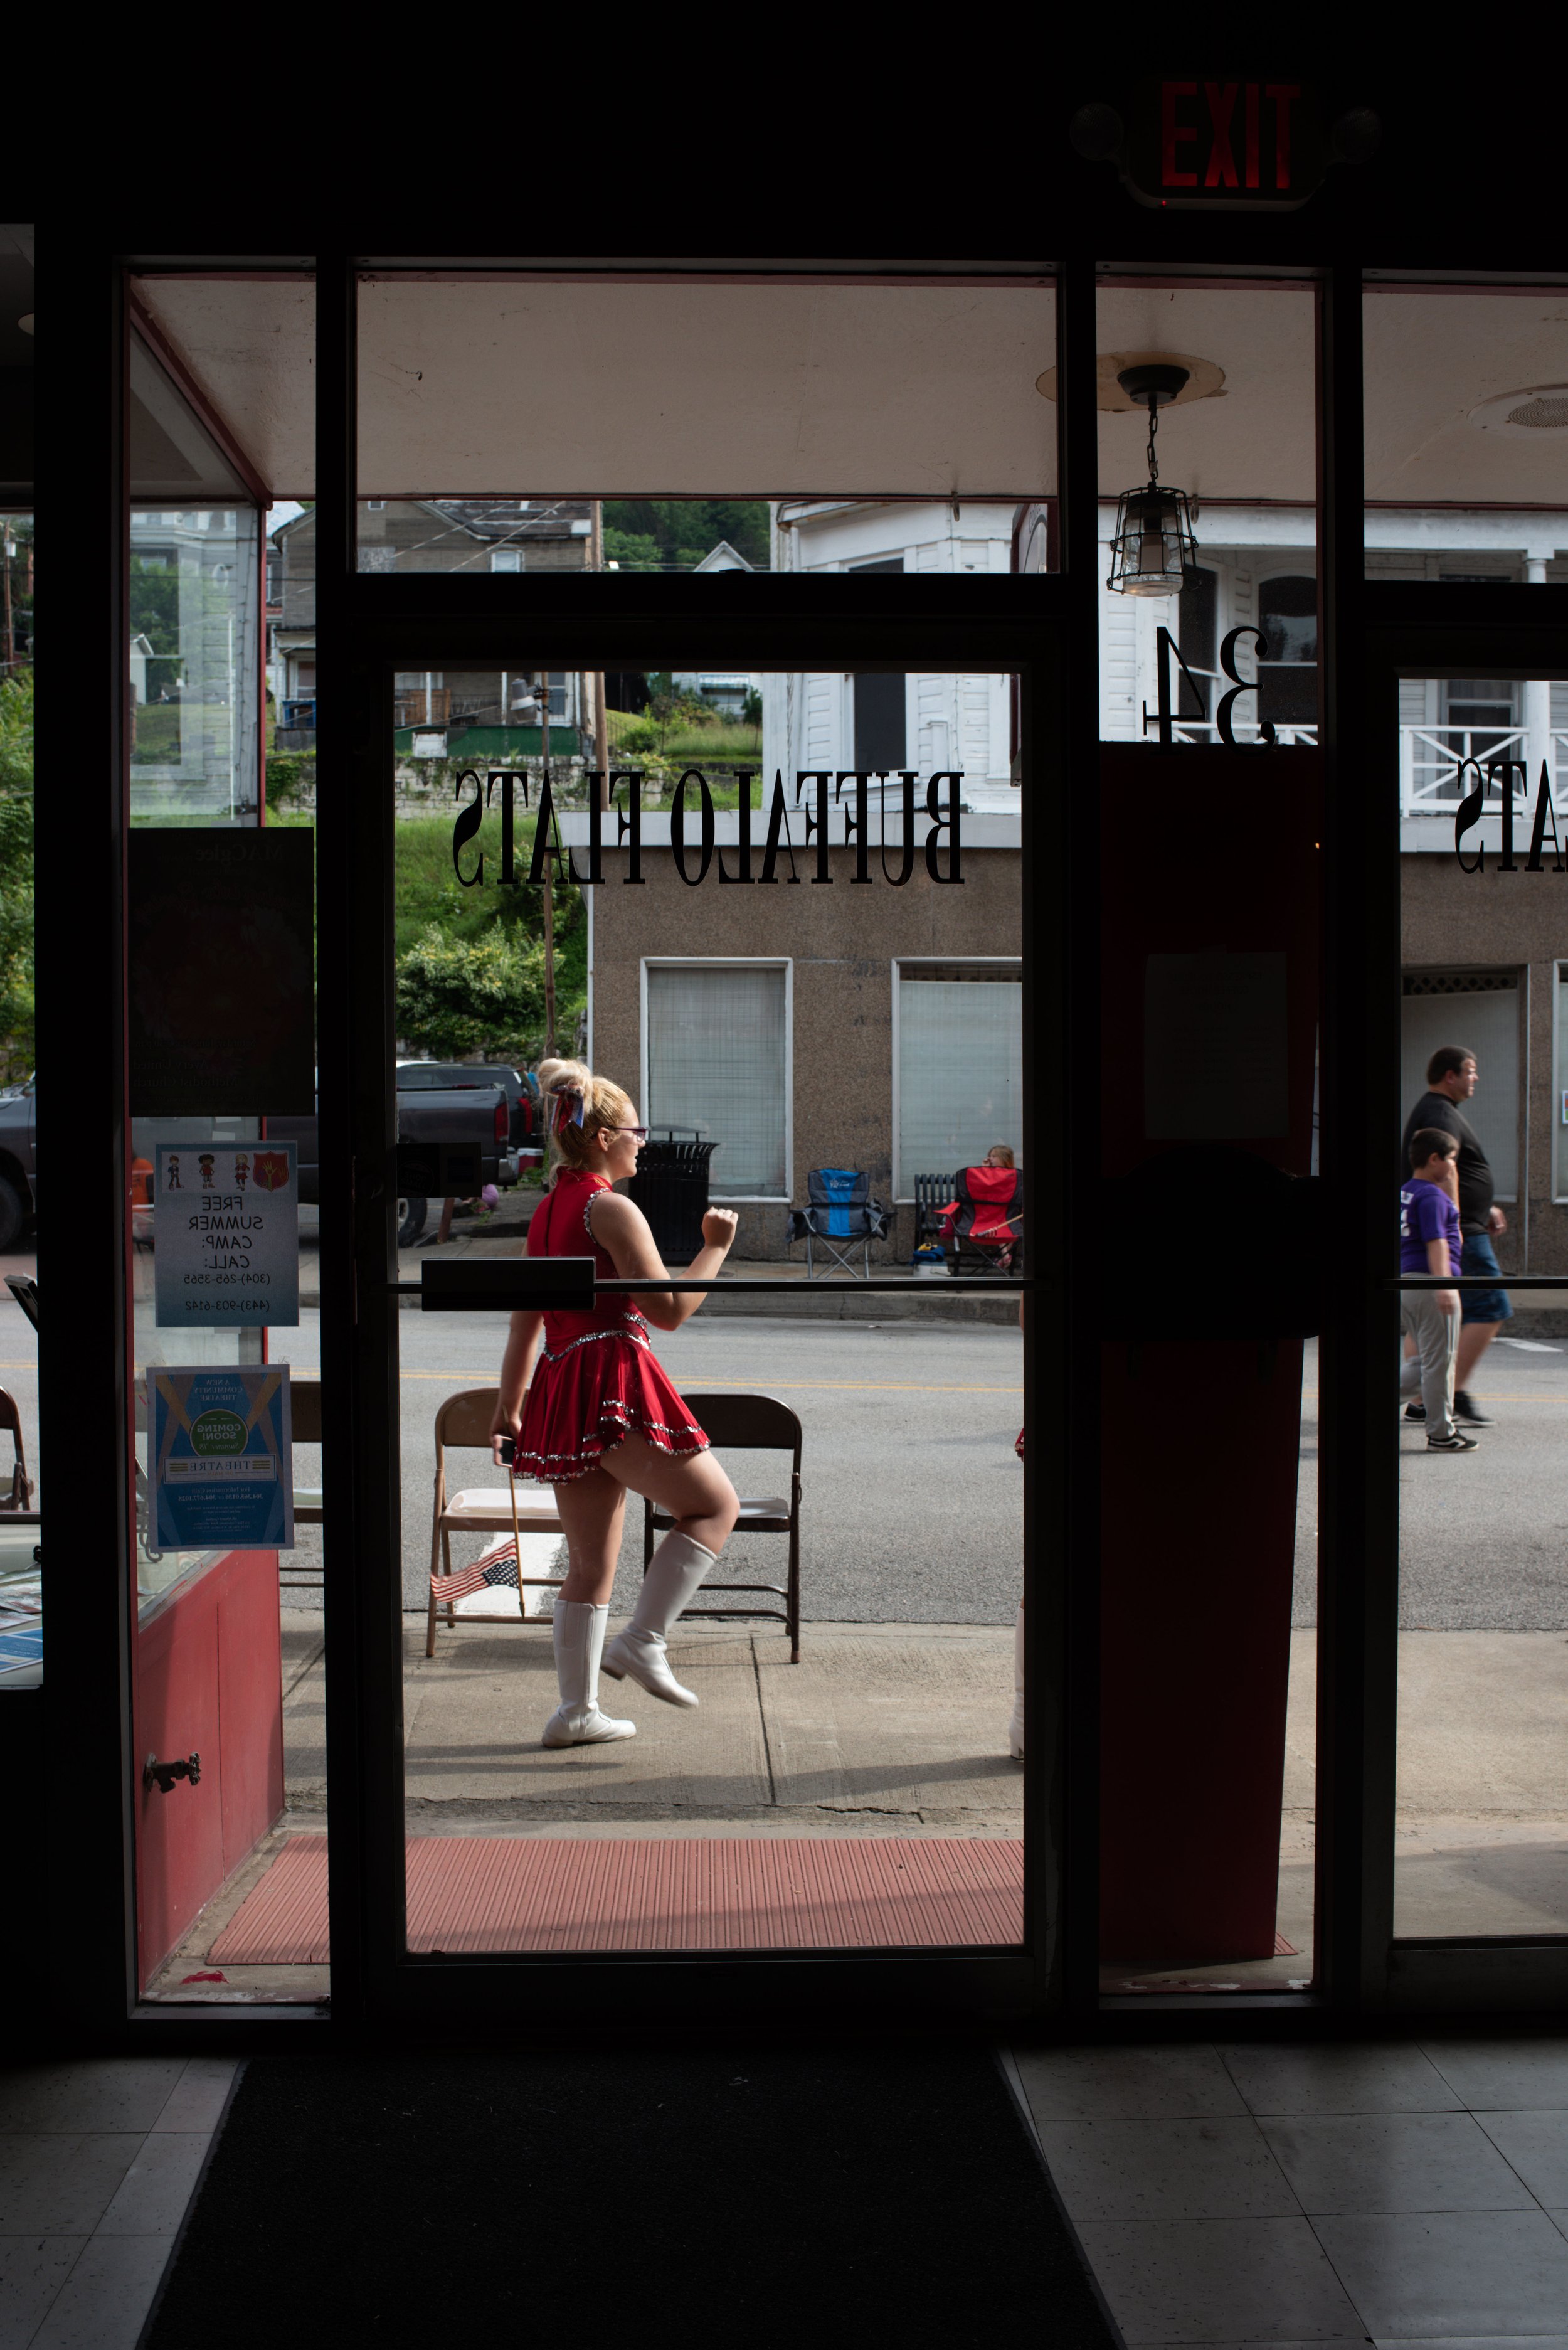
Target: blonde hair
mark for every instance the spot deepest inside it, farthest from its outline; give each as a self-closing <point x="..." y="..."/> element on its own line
<point x="1001" y="1155"/>
<point x="563" y="1085"/>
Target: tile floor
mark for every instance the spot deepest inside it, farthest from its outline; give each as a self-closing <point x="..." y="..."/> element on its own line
<point x="1400" y="2194"/>
<point x="98" y="2162"/>
<point x="1409" y="2196"/>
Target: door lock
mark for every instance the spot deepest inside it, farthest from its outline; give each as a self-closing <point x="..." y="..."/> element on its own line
<point x="162" y="1776"/>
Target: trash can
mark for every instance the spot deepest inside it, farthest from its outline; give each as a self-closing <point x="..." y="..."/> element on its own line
<point x="671" y="1187"/>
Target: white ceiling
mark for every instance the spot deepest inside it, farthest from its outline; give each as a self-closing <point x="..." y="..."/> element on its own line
<point x="1432" y="358"/>
<point x="647" y="389"/>
<point x="1253" y="439"/>
<point x="703" y="390"/>
<point x="650" y="389"/>
<point x="251" y="345"/>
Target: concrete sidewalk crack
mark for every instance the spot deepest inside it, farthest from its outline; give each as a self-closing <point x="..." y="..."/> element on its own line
<point x="762" y="1717"/>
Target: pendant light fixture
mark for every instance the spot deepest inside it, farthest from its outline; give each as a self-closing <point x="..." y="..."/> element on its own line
<point x="1154" y="546"/>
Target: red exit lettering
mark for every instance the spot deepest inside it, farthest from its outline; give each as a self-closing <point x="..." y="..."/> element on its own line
<point x="1180" y="131"/>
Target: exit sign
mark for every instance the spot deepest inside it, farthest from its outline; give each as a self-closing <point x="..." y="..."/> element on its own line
<point x="1204" y="140"/>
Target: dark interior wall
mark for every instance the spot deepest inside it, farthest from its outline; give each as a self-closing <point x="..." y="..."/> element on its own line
<point x="16" y="432"/>
<point x="21" y="1765"/>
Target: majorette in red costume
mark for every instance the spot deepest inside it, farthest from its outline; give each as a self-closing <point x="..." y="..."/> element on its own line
<point x="598" y="1376"/>
<point x="600" y="1418"/>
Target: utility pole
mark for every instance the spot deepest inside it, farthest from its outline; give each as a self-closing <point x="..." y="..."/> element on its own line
<point x="549" y="870"/>
<point x="601" y="712"/>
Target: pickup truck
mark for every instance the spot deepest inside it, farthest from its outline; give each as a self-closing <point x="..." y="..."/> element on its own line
<point x="470" y="1123"/>
<point x="18" y="1199"/>
<point x="522" y="1094"/>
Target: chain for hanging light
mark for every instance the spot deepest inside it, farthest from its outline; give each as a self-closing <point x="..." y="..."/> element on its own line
<point x="1154" y="547"/>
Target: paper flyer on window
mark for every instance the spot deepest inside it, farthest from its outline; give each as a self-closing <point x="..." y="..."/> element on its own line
<point x="225" y="1234"/>
<point x="220" y="1464"/>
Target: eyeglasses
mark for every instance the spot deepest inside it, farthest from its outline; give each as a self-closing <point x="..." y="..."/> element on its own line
<point x="641" y="1132"/>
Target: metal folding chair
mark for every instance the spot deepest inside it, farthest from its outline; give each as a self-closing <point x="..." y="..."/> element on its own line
<point x="757" y="1422"/>
<point x="840" y="1209"/>
<point x="462" y="1424"/>
<point x="21" y="1494"/>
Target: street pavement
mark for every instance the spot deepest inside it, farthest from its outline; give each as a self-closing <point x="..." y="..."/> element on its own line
<point x="912" y="1501"/>
<point x="1483" y="1536"/>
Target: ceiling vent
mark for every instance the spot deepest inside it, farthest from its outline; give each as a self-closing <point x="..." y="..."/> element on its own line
<point x="1542" y="415"/>
<point x="1523" y="415"/>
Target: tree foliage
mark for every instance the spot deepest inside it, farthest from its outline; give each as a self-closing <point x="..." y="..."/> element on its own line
<point x="482" y="994"/>
<point x="471" y="962"/>
<point x="675" y="534"/>
<point x="16" y="996"/>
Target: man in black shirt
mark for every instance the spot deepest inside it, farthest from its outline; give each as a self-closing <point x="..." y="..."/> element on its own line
<point x="1451" y="1075"/>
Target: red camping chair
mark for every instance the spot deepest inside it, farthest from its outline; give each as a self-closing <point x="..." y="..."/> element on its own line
<point x="986" y="1219"/>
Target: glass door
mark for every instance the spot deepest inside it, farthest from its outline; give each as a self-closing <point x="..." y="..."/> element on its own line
<point x="813" y="986"/>
<point x="1480" y="1832"/>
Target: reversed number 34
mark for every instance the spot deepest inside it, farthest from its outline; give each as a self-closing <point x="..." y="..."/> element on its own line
<point x="1167" y="718"/>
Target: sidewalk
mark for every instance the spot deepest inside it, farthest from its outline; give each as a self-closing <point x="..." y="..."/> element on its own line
<point x="882" y="1730"/>
<point x="899" y="1730"/>
<point x="840" y="1298"/>
<point x="880" y="1726"/>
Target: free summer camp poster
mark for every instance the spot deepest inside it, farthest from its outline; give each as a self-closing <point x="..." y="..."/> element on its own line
<point x="225" y="1234"/>
<point x="219" y="1457"/>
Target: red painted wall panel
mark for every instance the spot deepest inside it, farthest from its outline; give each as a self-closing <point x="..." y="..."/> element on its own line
<point x="179" y="1836"/>
<point x="208" y="1678"/>
<point x="1201" y="1438"/>
<point x="250" y="1708"/>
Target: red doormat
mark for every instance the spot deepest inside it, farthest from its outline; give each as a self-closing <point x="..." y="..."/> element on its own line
<point x="696" y="1893"/>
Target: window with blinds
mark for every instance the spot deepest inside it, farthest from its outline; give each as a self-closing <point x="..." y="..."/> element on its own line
<point x="717" y="1058"/>
<point x="1480" y="1012"/>
<point x="960" y="1060"/>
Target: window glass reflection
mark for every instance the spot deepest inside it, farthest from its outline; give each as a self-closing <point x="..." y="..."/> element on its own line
<point x="1466" y="421"/>
<point x="1483" y="1599"/>
<point x="21" y="1586"/>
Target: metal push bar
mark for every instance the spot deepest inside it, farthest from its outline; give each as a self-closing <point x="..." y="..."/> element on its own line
<point x="568" y="1284"/>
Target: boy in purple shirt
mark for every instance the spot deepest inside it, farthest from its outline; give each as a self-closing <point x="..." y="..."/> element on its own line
<point x="1429" y="1242"/>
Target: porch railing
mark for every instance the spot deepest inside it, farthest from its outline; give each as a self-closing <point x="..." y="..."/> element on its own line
<point x="1205" y="730"/>
<point x="1431" y="759"/>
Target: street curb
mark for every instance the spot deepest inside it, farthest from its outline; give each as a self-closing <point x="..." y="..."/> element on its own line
<point x="1002" y="1312"/>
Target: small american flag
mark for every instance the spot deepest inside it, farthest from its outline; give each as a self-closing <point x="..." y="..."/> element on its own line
<point x="496" y="1568"/>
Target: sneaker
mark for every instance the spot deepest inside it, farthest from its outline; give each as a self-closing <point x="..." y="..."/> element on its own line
<point x="1467" y="1408"/>
<point x="1458" y="1442"/>
<point x="1415" y="1411"/>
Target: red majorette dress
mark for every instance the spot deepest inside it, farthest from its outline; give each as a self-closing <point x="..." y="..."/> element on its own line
<point x="597" y="1378"/>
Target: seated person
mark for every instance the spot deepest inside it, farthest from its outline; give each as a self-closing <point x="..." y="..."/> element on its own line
<point x="995" y="1198"/>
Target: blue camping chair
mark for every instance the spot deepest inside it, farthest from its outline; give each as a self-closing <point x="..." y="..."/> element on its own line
<point x="840" y="1209"/>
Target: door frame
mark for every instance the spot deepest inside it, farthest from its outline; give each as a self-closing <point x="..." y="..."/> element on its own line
<point x="444" y="623"/>
<point x="369" y="626"/>
<point x="1370" y="631"/>
<point x="1475" y="631"/>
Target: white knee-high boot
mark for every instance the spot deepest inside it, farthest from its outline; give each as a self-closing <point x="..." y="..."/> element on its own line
<point x="674" y="1572"/>
<point x="579" y="1632"/>
<point x="1015" y="1726"/>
